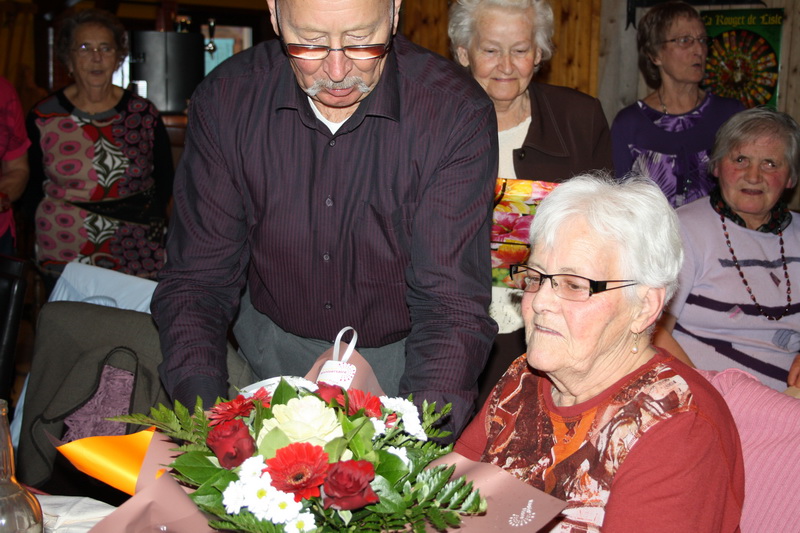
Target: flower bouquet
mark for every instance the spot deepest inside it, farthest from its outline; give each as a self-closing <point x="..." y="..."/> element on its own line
<point x="330" y="459"/>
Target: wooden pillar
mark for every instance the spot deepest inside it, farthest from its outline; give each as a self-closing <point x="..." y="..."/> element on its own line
<point x="165" y="17"/>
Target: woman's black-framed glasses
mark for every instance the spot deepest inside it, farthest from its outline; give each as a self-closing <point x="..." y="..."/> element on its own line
<point x="566" y="286"/>
<point x="357" y="52"/>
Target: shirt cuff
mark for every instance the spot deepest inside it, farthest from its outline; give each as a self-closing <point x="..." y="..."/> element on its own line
<point x="207" y="388"/>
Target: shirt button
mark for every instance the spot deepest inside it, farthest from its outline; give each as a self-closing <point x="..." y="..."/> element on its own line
<point x="328" y="306"/>
<point x="326" y="256"/>
<point x="332" y="143"/>
<point x="521" y="154"/>
<point x="329" y="201"/>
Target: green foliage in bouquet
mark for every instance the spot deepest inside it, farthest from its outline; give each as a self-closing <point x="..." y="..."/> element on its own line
<point x="327" y="460"/>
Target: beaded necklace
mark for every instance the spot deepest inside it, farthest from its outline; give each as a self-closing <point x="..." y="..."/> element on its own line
<point x="744" y="280"/>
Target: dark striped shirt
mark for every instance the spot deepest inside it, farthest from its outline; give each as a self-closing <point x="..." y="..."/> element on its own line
<point x="383" y="226"/>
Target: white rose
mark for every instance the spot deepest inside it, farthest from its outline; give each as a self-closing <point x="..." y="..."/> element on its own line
<point x="305" y="419"/>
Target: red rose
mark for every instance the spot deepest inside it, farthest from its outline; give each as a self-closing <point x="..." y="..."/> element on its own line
<point x="231" y="443"/>
<point x="347" y="485"/>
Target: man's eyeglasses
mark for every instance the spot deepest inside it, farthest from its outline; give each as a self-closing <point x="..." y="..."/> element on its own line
<point x="86" y="50"/>
<point x="566" y="286"/>
<point x="687" y="41"/>
<point x="357" y="52"/>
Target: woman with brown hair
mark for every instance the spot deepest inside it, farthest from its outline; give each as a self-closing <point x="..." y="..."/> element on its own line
<point x="668" y="134"/>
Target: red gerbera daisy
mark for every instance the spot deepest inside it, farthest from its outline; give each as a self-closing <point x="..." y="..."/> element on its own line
<point x="299" y="468"/>
<point x="261" y="395"/>
<point x="361" y="400"/>
<point x="328" y="392"/>
<point x="239" y="407"/>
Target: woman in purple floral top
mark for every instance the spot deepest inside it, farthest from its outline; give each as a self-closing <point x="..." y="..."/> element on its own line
<point x="101" y="159"/>
<point x="668" y="134"/>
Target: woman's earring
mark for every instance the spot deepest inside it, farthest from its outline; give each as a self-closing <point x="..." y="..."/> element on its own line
<point x="635" y="348"/>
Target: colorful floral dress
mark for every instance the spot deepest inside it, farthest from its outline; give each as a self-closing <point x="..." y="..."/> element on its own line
<point x="106" y="180"/>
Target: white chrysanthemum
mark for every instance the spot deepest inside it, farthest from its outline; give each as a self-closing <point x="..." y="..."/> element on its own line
<point x="408" y="413"/>
<point x="305" y="419"/>
<point x="402" y="453"/>
<point x="380" y="427"/>
<point x="303" y="522"/>
<point x="253" y="467"/>
<point x="234" y="497"/>
<point x="283" y="508"/>
<point x="259" y="495"/>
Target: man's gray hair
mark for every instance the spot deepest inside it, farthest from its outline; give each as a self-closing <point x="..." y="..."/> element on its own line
<point x="278" y="10"/>
<point x="631" y="213"/>
<point x="463" y="13"/>
<point x="752" y="124"/>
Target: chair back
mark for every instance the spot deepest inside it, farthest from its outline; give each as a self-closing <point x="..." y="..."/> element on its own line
<point x="769" y="428"/>
<point x="70" y="390"/>
<point x="12" y="300"/>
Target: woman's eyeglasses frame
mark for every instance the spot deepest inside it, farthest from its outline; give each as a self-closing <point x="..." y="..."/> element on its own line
<point x="595" y="286"/>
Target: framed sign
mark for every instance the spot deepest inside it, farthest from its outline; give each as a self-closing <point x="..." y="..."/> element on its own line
<point x="744" y="54"/>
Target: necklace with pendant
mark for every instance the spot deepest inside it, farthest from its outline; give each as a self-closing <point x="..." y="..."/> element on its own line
<point x="664" y="106"/>
<point x="744" y="280"/>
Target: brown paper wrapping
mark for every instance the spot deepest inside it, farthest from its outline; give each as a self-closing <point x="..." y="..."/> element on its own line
<point x="511" y="504"/>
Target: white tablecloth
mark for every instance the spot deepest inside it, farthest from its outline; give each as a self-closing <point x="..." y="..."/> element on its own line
<point x="72" y="514"/>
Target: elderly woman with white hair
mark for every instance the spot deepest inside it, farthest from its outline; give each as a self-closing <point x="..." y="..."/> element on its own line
<point x="734" y="308"/>
<point x="546" y="133"/>
<point x="632" y="438"/>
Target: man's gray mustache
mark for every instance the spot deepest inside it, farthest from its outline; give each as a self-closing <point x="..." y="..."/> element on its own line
<point x="352" y="81"/>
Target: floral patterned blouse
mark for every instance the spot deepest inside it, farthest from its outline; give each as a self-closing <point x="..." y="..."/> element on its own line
<point x="106" y="179"/>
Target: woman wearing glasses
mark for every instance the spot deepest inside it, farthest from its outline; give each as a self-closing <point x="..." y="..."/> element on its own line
<point x="101" y="165"/>
<point x="669" y="133"/>
<point x="630" y="437"/>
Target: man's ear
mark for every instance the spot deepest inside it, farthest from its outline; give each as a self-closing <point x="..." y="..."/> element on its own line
<point x="462" y="56"/>
<point x="396" y="21"/>
<point x="272" y="16"/>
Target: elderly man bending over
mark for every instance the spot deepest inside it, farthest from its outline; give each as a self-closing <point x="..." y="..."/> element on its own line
<point x="339" y="176"/>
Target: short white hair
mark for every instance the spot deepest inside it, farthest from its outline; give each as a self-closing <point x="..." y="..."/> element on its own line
<point x="632" y="213"/>
<point x="463" y="13"/>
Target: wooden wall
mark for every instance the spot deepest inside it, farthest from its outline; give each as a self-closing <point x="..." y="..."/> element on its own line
<point x="425" y="23"/>
<point x="577" y="32"/>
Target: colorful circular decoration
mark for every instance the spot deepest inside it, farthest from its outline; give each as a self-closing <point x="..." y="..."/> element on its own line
<point x="742" y="65"/>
